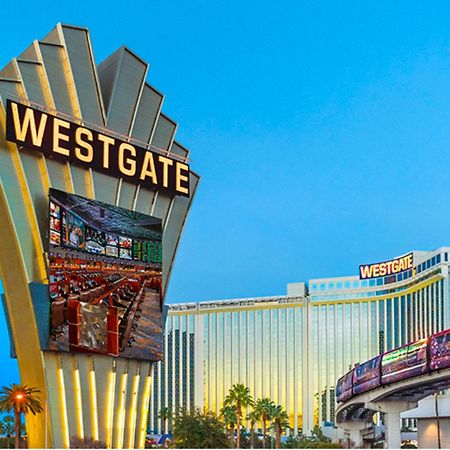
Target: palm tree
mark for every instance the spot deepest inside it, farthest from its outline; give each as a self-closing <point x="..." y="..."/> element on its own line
<point x="264" y="408"/>
<point x="253" y="417"/>
<point x="164" y="414"/>
<point x="229" y="416"/>
<point x="7" y="426"/>
<point x="280" y="423"/>
<point x="20" y="399"/>
<point x="238" y="396"/>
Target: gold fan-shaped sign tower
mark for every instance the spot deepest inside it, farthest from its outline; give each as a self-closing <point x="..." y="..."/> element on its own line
<point x="85" y="394"/>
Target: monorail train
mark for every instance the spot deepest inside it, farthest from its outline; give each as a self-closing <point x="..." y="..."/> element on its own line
<point x="412" y="359"/>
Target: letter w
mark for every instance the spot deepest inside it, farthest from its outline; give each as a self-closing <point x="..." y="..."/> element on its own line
<point x="29" y="121"/>
<point x="365" y="271"/>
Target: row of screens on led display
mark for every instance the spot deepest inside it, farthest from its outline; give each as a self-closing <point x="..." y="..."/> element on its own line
<point x="68" y="230"/>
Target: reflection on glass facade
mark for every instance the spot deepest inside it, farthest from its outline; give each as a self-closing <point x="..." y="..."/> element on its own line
<point x="294" y="348"/>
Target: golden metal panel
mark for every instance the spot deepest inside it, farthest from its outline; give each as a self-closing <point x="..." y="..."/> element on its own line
<point x="81" y="179"/>
<point x="127" y="84"/>
<point x="164" y="132"/>
<point x="127" y="195"/>
<point x="53" y="58"/>
<point x="78" y="49"/>
<point x="30" y="73"/>
<point x="144" y="200"/>
<point x="147" y="113"/>
<point x="59" y="175"/>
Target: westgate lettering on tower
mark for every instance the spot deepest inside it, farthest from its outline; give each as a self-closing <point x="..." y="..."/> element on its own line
<point x="70" y="141"/>
<point x="382" y="269"/>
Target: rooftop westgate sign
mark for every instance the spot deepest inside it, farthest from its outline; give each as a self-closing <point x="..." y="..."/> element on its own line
<point x="59" y="138"/>
<point x="382" y="269"/>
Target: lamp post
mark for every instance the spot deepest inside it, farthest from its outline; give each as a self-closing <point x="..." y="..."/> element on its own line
<point x="19" y="399"/>
<point x="438" y="421"/>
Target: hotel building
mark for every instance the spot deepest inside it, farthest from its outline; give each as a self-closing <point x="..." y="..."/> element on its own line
<point x="293" y="348"/>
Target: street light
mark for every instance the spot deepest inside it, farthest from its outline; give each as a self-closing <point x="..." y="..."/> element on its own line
<point x="19" y="398"/>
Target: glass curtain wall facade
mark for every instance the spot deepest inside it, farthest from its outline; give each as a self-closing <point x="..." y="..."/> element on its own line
<point x="292" y="349"/>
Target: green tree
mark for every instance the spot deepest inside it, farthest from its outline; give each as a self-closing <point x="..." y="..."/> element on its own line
<point x="164" y="414"/>
<point x="195" y="429"/>
<point x="264" y="408"/>
<point x="293" y="442"/>
<point x="230" y="419"/>
<point x="239" y="397"/>
<point x="7" y="426"/>
<point x="317" y="434"/>
<point x="280" y="423"/>
<point x="253" y="417"/>
<point x="20" y="399"/>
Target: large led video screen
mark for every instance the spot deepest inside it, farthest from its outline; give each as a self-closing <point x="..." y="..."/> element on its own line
<point x="105" y="279"/>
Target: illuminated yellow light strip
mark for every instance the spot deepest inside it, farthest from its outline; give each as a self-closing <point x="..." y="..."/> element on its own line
<point x="120" y="413"/>
<point x="68" y="178"/>
<point x="44" y="174"/>
<point x="63" y="407"/>
<point x="89" y="183"/>
<point x="412" y="289"/>
<point x="195" y="312"/>
<point x="78" y="403"/>
<point x="132" y="412"/>
<point x="109" y="413"/>
<point x="93" y="402"/>
<point x="145" y="398"/>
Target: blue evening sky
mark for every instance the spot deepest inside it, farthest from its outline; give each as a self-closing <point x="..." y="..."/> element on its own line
<point x="320" y="129"/>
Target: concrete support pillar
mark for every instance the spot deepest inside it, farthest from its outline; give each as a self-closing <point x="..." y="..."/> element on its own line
<point x="354" y="431"/>
<point x="392" y="429"/>
<point x="356" y="438"/>
<point x="392" y="410"/>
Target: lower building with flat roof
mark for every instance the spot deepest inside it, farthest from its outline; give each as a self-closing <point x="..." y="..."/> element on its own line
<point x="293" y="348"/>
